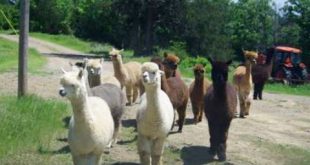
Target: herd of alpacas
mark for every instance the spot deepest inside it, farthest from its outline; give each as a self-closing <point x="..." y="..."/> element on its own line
<point x="98" y="102"/>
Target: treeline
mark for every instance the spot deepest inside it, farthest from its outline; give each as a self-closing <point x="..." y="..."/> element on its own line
<point x="201" y="27"/>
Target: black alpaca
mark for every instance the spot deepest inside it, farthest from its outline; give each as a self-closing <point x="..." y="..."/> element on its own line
<point x="220" y="105"/>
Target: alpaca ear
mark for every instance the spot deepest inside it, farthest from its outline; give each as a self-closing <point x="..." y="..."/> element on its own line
<point x="229" y="62"/>
<point x="210" y="60"/>
<point x="165" y="54"/>
<point x="161" y="72"/>
<point x="80" y="75"/>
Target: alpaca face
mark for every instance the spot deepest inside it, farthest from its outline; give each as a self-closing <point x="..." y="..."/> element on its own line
<point x="94" y="67"/>
<point x="199" y="71"/>
<point x="170" y="63"/>
<point x="72" y="84"/>
<point x="219" y="72"/>
<point x="250" y="56"/>
<point x="115" y="54"/>
<point x="151" y="74"/>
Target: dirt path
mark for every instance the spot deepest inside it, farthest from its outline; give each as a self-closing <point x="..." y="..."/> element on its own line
<point x="276" y="132"/>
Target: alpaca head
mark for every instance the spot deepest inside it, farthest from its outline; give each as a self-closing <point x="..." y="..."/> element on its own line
<point x="151" y="75"/>
<point x="73" y="84"/>
<point x="158" y="61"/>
<point x="170" y="63"/>
<point x="94" y="66"/>
<point x="219" y="73"/>
<point x="115" y="54"/>
<point x="199" y="71"/>
<point x="250" y="56"/>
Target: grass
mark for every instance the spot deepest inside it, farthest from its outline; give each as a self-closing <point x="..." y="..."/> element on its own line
<point x="29" y="124"/>
<point x="285" y="153"/>
<point x="303" y="90"/>
<point x="9" y="57"/>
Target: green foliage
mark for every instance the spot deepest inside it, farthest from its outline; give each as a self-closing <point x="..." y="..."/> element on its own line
<point x="12" y="14"/>
<point x="51" y="16"/>
<point x="9" y="57"/>
<point x="29" y="123"/>
<point x="188" y="64"/>
<point x="294" y="90"/>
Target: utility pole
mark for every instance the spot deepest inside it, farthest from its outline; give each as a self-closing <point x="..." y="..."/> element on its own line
<point x="23" y="47"/>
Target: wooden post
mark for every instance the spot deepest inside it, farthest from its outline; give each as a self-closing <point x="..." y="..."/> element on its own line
<point x="23" y="47"/>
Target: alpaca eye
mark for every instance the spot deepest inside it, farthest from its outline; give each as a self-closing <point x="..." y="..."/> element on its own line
<point x="153" y="72"/>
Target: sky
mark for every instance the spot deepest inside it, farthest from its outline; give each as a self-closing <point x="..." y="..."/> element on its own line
<point x="280" y="3"/>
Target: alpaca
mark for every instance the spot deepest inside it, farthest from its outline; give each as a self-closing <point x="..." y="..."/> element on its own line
<point x="261" y="73"/>
<point x="174" y="86"/>
<point x="220" y="105"/>
<point x="111" y="93"/>
<point x="197" y="90"/>
<point x="95" y="77"/>
<point x="91" y="126"/>
<point x="242" y="81"/>
<point x="129" y="75"/>
<point x="154" y="117"/>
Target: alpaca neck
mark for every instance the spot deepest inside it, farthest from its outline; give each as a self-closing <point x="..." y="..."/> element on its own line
<point x="119" y="70"/>
<point x="248" y="70"/>
<point x="199" y="86"/>
<point x="153" y="95"/>
<point x="94" y="80"/>
<point x="164" y="84"/>
<point x="220" y="91"/>
<point x="81" y="113"/>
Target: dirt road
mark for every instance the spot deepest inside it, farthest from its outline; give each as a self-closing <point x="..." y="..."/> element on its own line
<point x="276" y="132"/>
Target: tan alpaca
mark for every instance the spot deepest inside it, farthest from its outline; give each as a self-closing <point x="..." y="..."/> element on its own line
<point x="197" y="90"/>
<point x="242" y="80"/>
<point x="128" y="74"/>
<point x="96" y="76"/>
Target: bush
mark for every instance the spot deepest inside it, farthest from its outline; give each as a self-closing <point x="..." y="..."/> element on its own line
<point x="12" y="13"/>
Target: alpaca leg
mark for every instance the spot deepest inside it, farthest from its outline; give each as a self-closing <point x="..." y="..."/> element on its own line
<point x="213" y="138"/>
<point x="196" y="113"/>
<point x="135" y="94"/>
<point x="223" y="134"/>
<point x="79" y="159"/>
<point x="247" y="105"/>
<point x="260" y="95"/>
<point x="116" y="131"/>
<point x="242" y="105"/>
<point x="129" y="94"/>
<point x="144" y="150"/>
<point x="93" y="159"/>
<point x="182" y="114"/>
<point x="200" y="113"/>
<point x="256" y="89"/>
<point x="157" y="151"/>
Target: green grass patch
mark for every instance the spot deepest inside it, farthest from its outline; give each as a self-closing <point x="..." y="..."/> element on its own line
<point x="303" y="90"/>
<point x="9" y="57"/>
<point x="29" y="123"/>
<point x="285" y="153"/>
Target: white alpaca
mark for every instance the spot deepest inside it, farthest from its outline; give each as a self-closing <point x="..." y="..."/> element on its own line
<point x="91" y="126"/>
<point x="129" y="75"/>
<point x="155" y="116"/>
<point x="96" y="76"/>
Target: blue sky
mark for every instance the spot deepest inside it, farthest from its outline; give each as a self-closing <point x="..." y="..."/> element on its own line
<point x="280" y="3"/>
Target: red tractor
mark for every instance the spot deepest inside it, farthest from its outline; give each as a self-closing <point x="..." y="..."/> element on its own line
<point x="288" y="67"/>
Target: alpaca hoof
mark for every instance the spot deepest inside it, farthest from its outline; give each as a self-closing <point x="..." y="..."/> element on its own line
<point x="180" y="131"/>
<point x="128" y="104"/>
<point x="242" y="116"/>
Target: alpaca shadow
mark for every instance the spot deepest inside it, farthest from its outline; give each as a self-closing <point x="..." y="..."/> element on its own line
<point x="129" y="123"/>
<point x="124" y="142"/>
<point x="124" y="163"/>
<point x="66" y="121"/>
<point x="63" y="150"/>
<point x="192" y="155"/>
<point x="189" y="121"/>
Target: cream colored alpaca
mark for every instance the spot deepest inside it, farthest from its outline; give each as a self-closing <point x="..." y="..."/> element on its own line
<point x="154" y="118"/>
<point x="96" y="76"/>
<point x="128" y="74"/>
<point x="242" y="80"/>
<point x="91" y="126"/>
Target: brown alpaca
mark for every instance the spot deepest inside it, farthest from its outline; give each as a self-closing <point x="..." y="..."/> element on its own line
<point x="197" y="90"/>
<point x="174" y="86"/>
<point x="220" y="105"/>
<point x="242" y="81"/>
<point x="261" y="73"/>
<point x="129" y="75"/>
